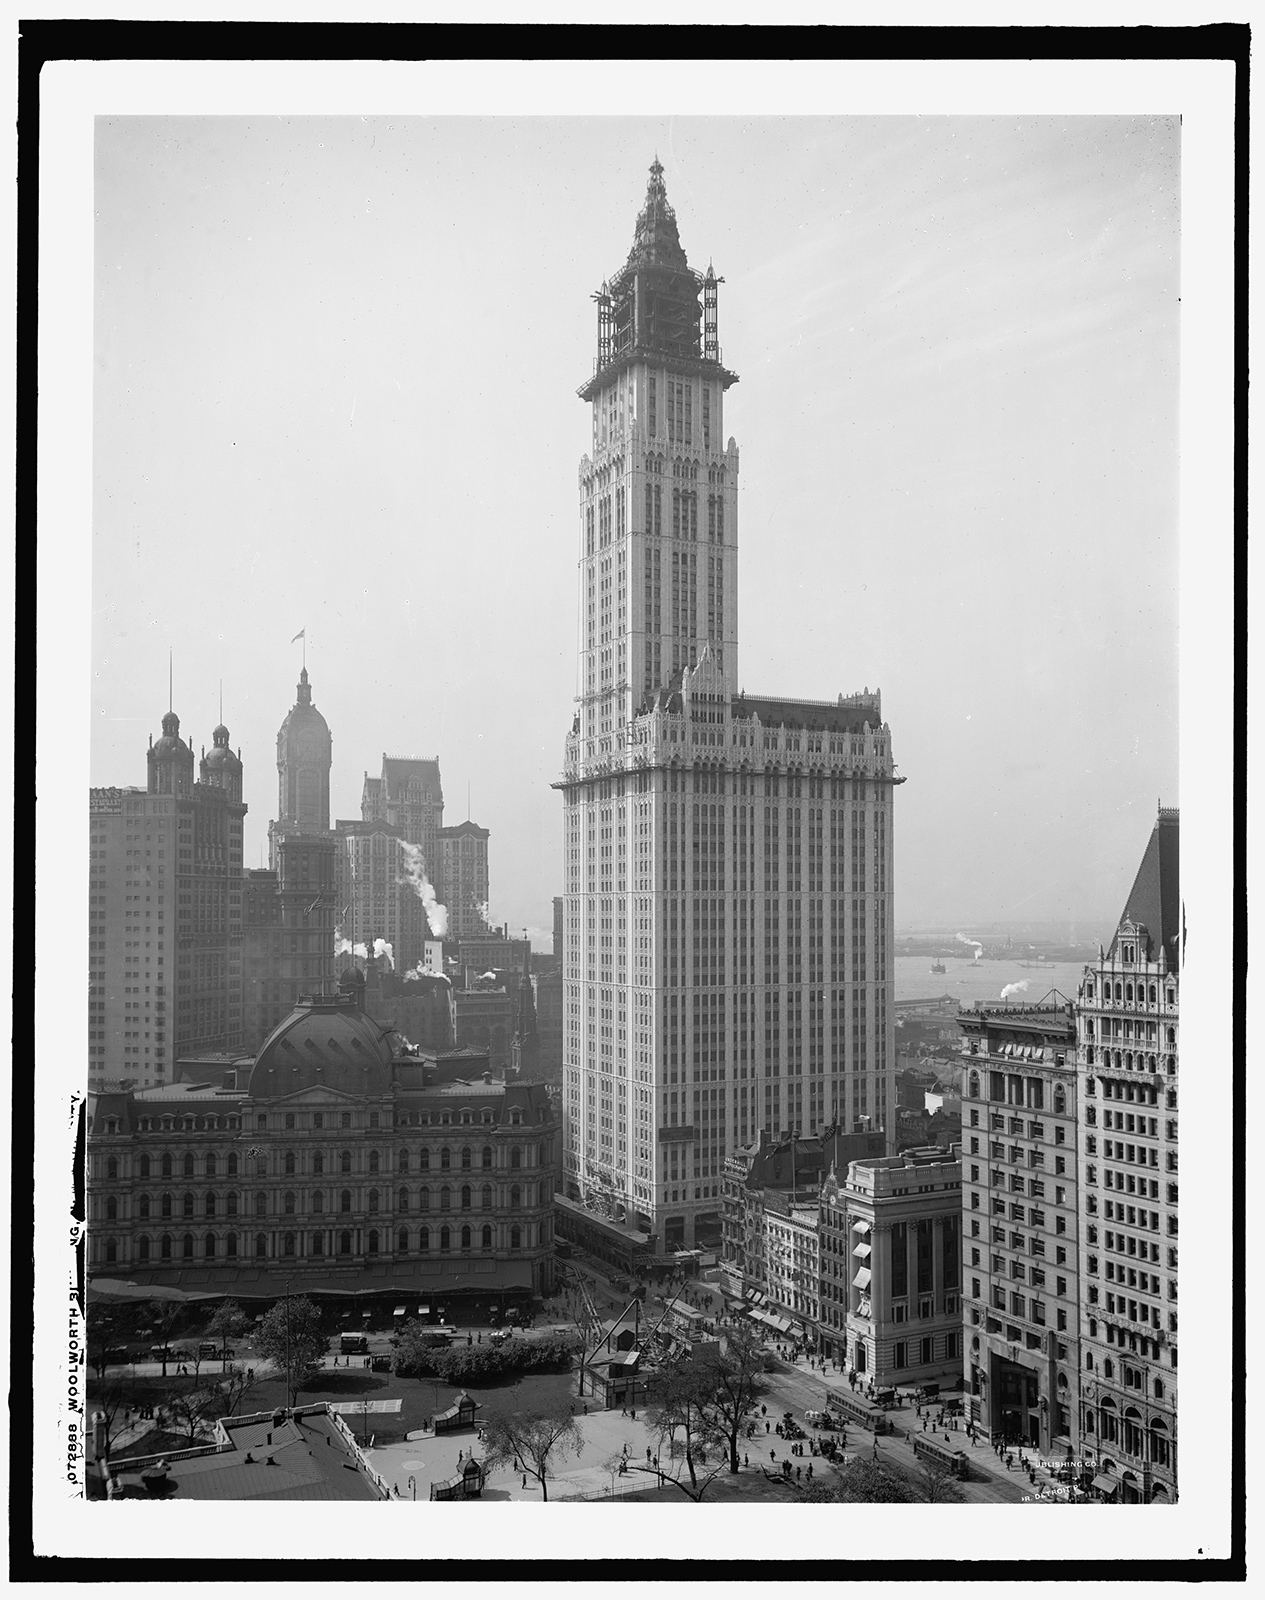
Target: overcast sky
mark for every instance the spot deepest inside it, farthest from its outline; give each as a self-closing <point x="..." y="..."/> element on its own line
<point x="336" y="364"/>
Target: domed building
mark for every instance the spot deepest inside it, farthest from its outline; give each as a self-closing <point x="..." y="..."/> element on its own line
<point x="304" y="757"/>
<point x="336" y="1161"/>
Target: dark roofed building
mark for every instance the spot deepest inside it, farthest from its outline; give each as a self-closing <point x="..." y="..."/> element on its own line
<point x="337" y="1159"/>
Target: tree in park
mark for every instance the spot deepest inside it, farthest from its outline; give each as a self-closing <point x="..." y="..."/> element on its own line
<point x="114" y="1395"/>
<point x="100" y="1337"/>
<point x="531" y="1441"/>
<point x="859" y="1483"/>
<point x="936" y="1483"/>
<point x="681" y="1407"/>
<point x="228" y="1322"/>
<point x="290" y="1337"/>
<point x="588" y="1322"/>
<point x="166" y="1314"/>
<point x="236" y="1384"/>
<point x="192" y="1411"/>
<point x="738" y="1386"/>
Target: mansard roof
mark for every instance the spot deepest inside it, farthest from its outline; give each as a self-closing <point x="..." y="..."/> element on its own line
<point x="1154" y="901"/>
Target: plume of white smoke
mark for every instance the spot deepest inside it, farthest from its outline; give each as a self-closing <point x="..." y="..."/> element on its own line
<point x="421" y="970"/>
<point x="382" y="948"/>
<point x="976" y="945"/>
<point x="344" y="947"/>
<point x="1015" y="988"/>
<point x="414" y="875"/>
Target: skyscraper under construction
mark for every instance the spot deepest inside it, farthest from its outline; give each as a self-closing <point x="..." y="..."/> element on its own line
<point x="728" y="939"/>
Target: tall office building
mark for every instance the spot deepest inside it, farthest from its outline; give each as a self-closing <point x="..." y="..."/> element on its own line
<point x="388" y="859"/>
<point x="1127" y="1062"/>
<point x="304" y="757"/>
<point x="165" y="913"/>
<point x="728" y="857"/>
<point x="463" y="879"/>
<point x="1019" y="1216"/>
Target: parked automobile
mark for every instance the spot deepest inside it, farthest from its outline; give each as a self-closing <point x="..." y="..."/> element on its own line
<point x="161" y="1352"/>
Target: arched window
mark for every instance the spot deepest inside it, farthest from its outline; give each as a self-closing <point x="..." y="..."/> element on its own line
<point x="465" y="1237"/>
<point x="445" y="1238"/>
<point x="516" y="1238"/>
<point x="111" y="1209"/>
<point x="487" y="1155"/>
<point x="143" y="1207"/>
<point x="209" y="1207"/>
<point x="1060" y="1100"/>
<point x="318" y="1200"/>
<point x="164" y="1247"/>
<point x="289" y="1119"/>
<point x="1159" y="1452"/>
<point x="423" y="1199"/>
<point x="167" y="1166"/>
<point x="112" y="1167"/>
<point x="401" y="1240"/>
<point x="318" y="1244"/>
<point x="445" y="1158"/>
<point x="516" y="1157"/>
<point x="973" y="1086"/>
<point x="290" y="1166"/>
<point x="111" y="1252"/>
<point x="344" y="1161"/>
<point x="423" y="1239"/>
<point x="1151" y="994"/>
<point x="318" y="1119"/>
<point x="373" y="1199"/>
<point x="486" y="1197"/>
<point x="1089" y="1055"/>
<point x="344" y="1243"/>
<point x="166" y="1205"/>
<point x="1119" y="994"/>
<point x="373" y="1241"/>
<point x="186" y="1247"/>
<point x="423" y="1159"/>
<point x="487" y="1236"/>
<point x="186" y="1206"/>
<point x="142" y="1247"/>
<point x="345" y="1120"/>
<point x="261" y="1245"/>
<point x="188" y="1164"/>
<point x="143" y="1168"/>
<point x="318" y="1164"/>
<point x="465" y="1197"/>
<point x="230" y="1244"/>
<point x="373" y="1119"/>
<point x="1171" y="1035"/>
<point x="401" y="1200"/>
<point x="516" y="1198"/>
<point x="231" y="1167"/>
<point x="287" y="1246"/>
<point x="261" y="1121"/>
<point x="344" y="1200"/>
<point x="261" y="1204"/>
<point x="465" y="1158"/>
<point x="445" y="1198"/>
<point x="209" y="1247"/>
<point x="1128" y="993"/>
<point x="231" y="1204"/>
<point x="1089" y="989"/>
<point x="373" y="1161"/>
<point x="288" y="1204"/>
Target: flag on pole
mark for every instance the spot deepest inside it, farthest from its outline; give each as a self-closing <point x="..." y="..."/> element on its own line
<point x="299" y="635"/>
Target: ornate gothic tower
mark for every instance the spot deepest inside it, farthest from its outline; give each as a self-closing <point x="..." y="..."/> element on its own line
<point x="659" y="496"/>
<point x="728" y="913"/>
<point x="304" y="757"/>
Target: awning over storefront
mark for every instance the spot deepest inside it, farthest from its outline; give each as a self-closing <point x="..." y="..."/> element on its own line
<point x="778" y="1324"/>
<point x="1106" y="1483"/>
<point x="862" y="1279"/>
<point x="861" y="1250"/>
<point x="861" y="1225"/>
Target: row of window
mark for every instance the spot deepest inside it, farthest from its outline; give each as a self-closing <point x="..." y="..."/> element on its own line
<point x="211" y="1202"/>
<point x="167" y="1248"/>
<point x="109" y="1169"/>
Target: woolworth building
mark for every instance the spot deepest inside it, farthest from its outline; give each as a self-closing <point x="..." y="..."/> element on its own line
<point x="728" y="941"/>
